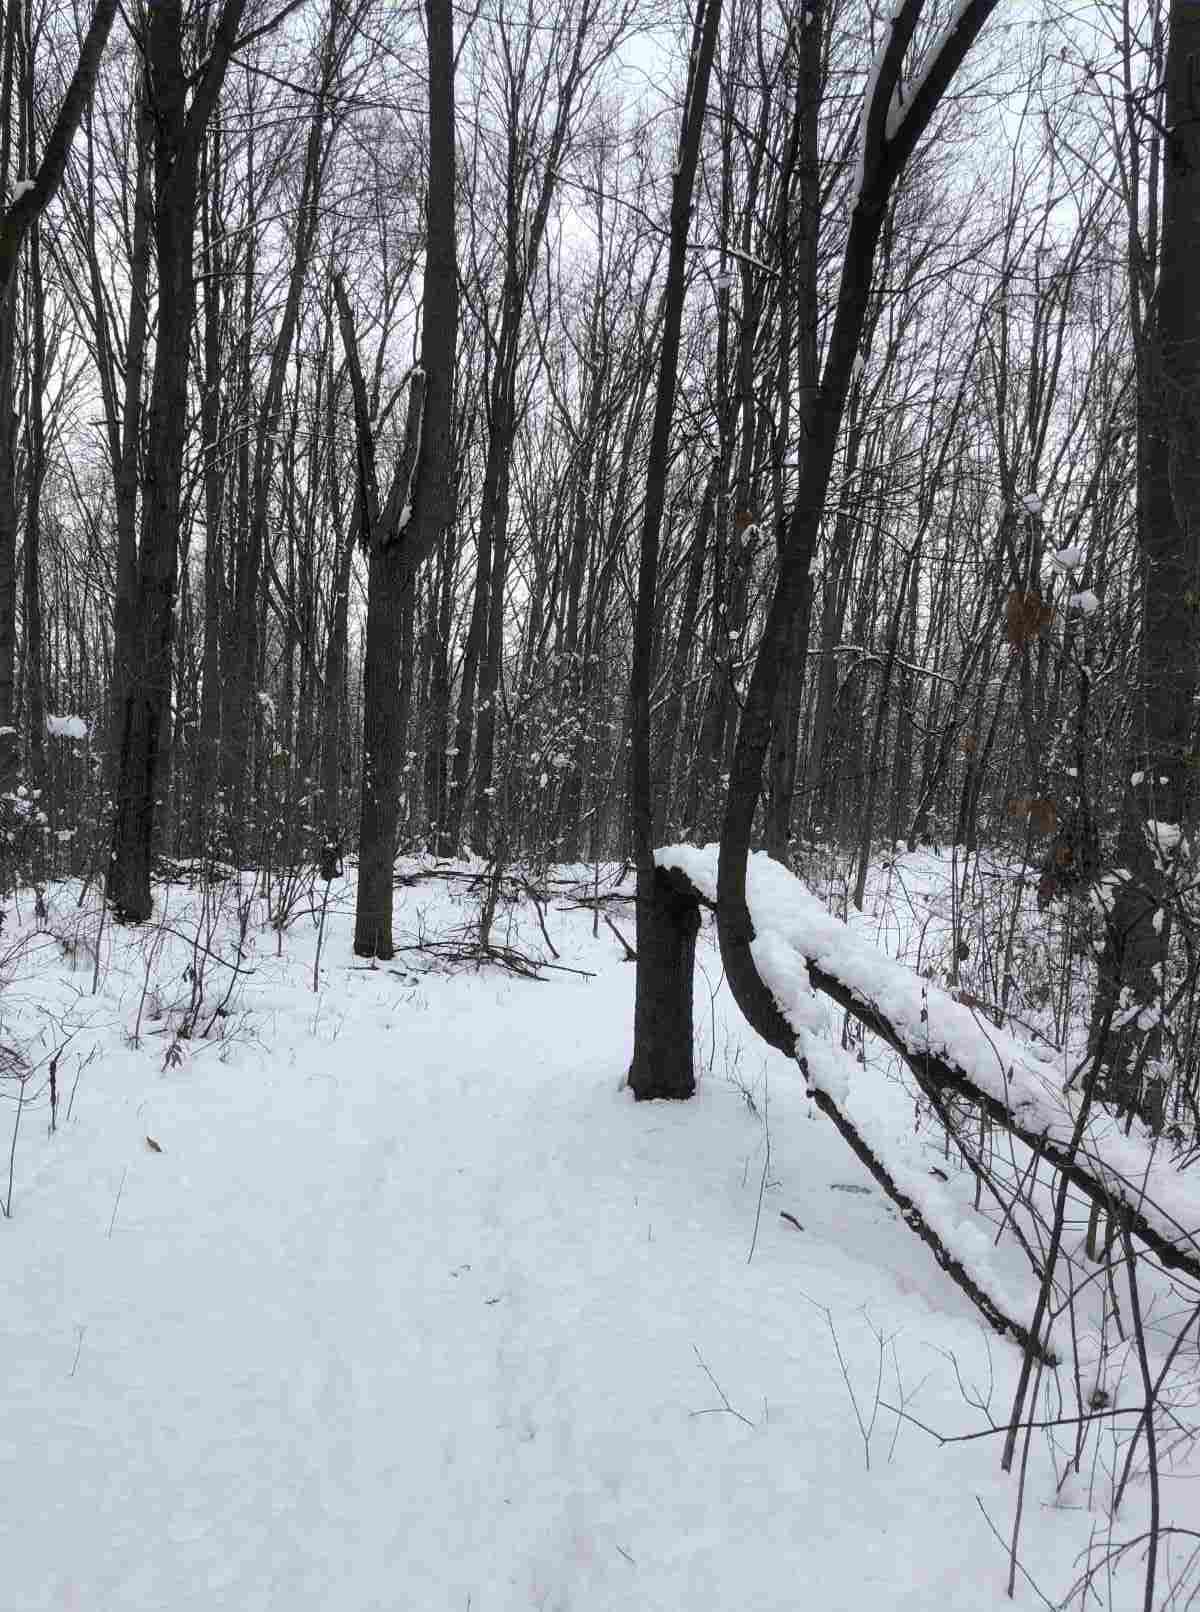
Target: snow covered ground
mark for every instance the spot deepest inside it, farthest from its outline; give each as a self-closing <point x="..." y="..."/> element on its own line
<point x="388" y="1296"/>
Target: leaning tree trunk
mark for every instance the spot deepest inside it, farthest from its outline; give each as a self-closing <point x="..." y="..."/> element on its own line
<point x="882" y="156"/>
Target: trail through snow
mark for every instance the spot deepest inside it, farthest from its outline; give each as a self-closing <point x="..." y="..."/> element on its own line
<point x="417" y="1309"/>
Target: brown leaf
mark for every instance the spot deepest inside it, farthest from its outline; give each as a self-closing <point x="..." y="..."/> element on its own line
<point x="153" y="1145"/>
<point x="1043" y="815"/>
<point x="968" y="744"/>
<point x="1018" y="806"/>
<point x="1025" y="616"/>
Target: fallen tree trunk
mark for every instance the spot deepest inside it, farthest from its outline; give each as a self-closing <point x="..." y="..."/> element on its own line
<point x="796" y="949"/>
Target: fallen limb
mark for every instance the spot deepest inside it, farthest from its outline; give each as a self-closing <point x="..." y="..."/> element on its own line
<point x="955" y="1268"/>
<point x="795" y="948"/>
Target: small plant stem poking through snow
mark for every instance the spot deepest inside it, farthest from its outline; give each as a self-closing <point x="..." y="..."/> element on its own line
<point x="117" y="1201"/>
<point x="724" y="1408"/>
<point x="12" y="1152"/>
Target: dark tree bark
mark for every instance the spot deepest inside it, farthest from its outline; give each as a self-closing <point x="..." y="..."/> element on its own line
<point x="418" y="509"/>
<point x="239" y="679"/>
<point x="1160" y="797"/>
<point x="666" y="926"/>
<point x="881" y="161"/>
<point x="528" y="198"/>
<point x="799" y="269"/>
<point x="15" y="225"/>
<point x="144" y="620"/>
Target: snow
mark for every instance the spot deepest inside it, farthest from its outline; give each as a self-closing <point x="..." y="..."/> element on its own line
<point x="388" y="1296"/>
<point x="898" y="110"/>
<point x="864" y="116"/>
<point x="1162" y="836"/>
<point x="1031" y="504"/>
<point x="793" y="929"/>
<point x="1085" y="601"/>
<point x="66" y="727"/>
<point x="1069" y="558"/>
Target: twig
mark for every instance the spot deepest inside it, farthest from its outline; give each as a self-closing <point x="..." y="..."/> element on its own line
<point x="766" y="1170"/>
<point x="117" y="1201"/>
<point x="1148" y="1388"/>
<point x="541" y="916"/>
<point x="1024" y="1571"/>
<point x="320" y="938"/>
<point x="991" y="1432"/>
<point x="12" y="1152"/>
<point x="630" y="954"/>
<point x="83" y="1063"/>
<point x="717" y="1410"/>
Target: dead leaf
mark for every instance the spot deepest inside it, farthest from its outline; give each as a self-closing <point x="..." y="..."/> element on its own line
<point x="153" y="1145"/>
<point x="1025" y="616"/>
<point x="1043" y="815"/>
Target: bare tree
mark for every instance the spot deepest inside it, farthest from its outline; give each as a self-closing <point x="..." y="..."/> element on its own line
<point x="402" y="534"/>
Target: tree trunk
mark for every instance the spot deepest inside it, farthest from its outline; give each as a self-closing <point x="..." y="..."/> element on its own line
<point x="418" y="507"/>
<point x="664" y="1067"/>
<point x="1160" y="797"/>
<point x="146" y="620"/>
<point x="881" y="160"/>
<point x="668" y="921"/>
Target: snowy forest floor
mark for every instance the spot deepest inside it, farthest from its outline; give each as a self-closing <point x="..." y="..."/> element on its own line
<point x="386" y="1295"/>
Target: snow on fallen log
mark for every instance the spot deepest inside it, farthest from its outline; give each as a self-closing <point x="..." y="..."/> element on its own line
<point x="801" y="950"/>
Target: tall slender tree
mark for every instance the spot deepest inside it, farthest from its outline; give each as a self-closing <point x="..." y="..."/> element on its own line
<point x="401" y="535"/>
<point x="667" y="923"/>
<point x="180" y="102"/>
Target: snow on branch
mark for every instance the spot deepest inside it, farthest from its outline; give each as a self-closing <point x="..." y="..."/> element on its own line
<point x="870" y="91"/>
<point x="903" y="97"/>
<point x="800" y="950"/>
<point x="400" y="501"/>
